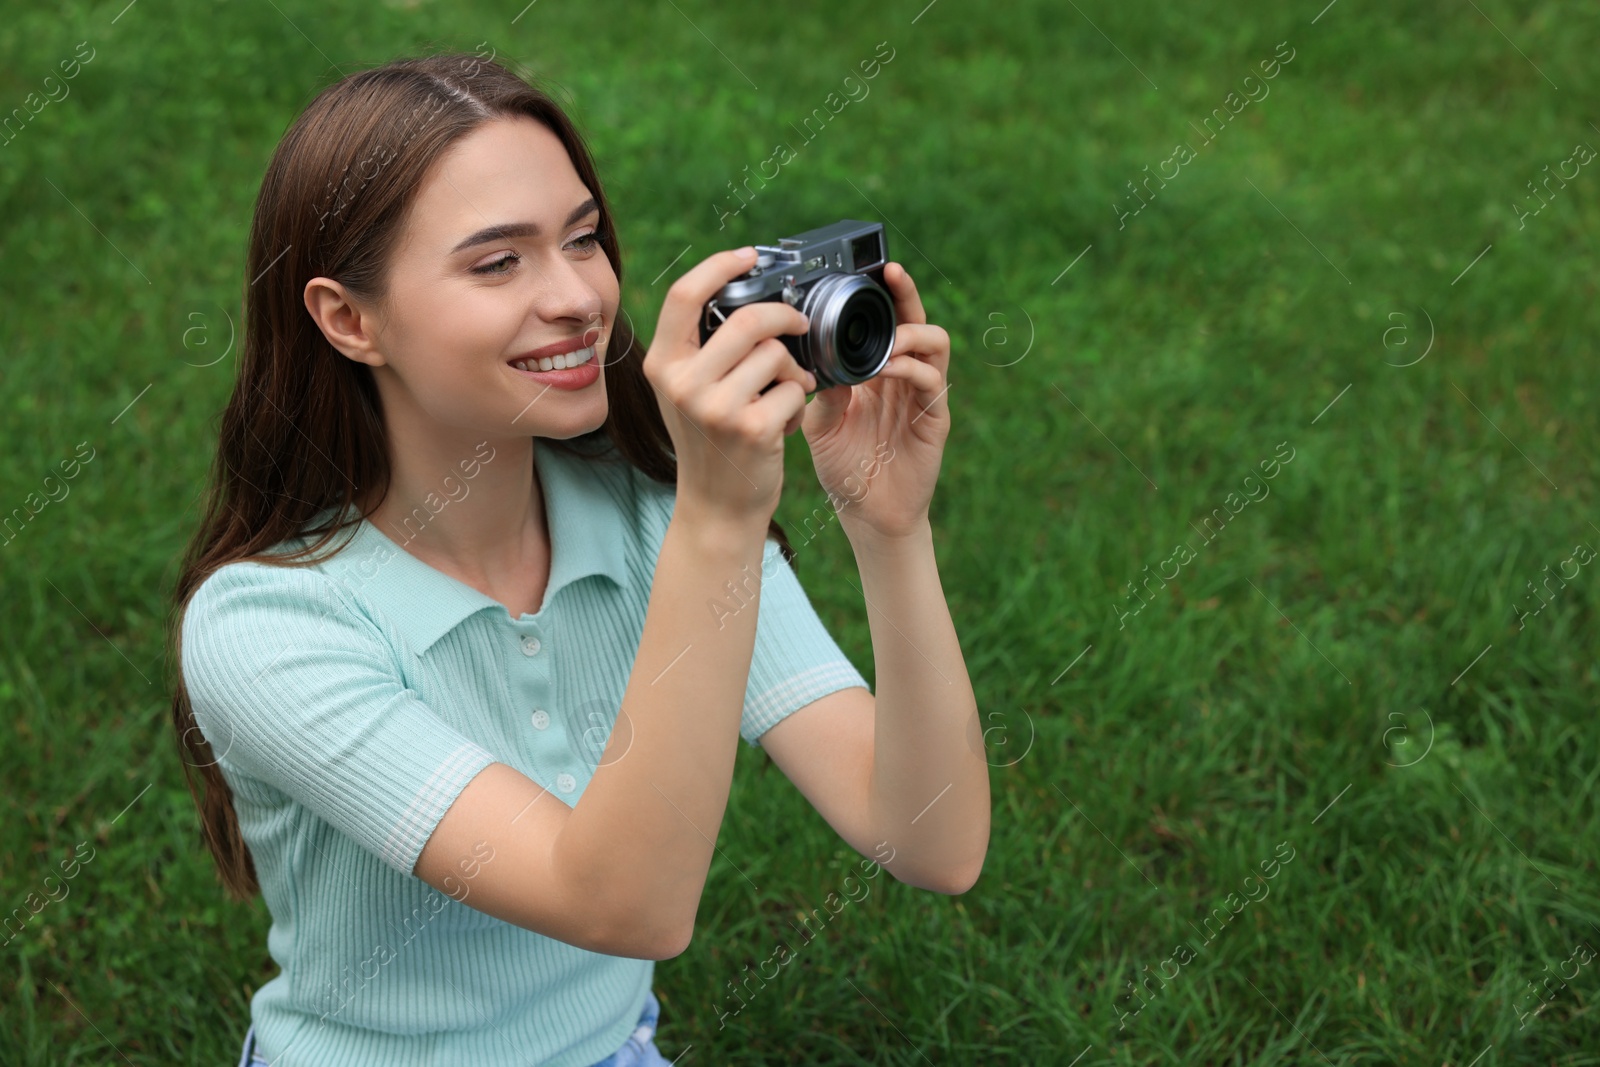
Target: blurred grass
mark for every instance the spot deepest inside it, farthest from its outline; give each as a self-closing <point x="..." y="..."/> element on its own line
<point x="1132" y="792"/>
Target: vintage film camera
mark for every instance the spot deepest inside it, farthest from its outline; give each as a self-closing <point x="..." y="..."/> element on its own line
<point x="834" y="275"/>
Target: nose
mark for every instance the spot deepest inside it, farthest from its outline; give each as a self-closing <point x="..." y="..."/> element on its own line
<point x="566" y="295"/>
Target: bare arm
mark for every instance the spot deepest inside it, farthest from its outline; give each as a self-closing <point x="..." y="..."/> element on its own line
<point x="901" y="775"/>
<point x="920" y="786"/>
<point x="928" y="794"/>
<point x="622" y="872"/>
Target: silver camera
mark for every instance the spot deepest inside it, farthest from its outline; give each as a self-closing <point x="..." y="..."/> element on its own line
<point x="834" y="275"/>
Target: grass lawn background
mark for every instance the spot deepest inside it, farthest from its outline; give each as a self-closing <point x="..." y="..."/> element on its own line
<point x="1338" y="672"/>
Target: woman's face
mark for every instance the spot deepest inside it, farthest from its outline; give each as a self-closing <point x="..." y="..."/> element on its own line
<point x="466" y="301"/>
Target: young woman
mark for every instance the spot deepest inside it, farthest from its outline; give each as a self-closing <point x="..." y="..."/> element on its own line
<point x="475" y="757"/>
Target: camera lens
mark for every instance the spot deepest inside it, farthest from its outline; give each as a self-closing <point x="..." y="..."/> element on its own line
<point x="866" y="331"/>
<point x="855" y="329"/>
<point x="852" y="329"/>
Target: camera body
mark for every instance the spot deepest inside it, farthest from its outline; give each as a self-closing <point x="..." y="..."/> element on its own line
<point x="834" y="274"/>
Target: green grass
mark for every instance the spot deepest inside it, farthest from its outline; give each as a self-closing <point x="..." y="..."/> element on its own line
<point x="1181" y="749"/>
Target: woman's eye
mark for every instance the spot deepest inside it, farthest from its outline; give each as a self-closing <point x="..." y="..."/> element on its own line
<point x="593" y="239"/>
<point x="491" y="268"/>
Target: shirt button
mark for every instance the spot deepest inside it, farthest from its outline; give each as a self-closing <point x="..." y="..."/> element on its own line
<point x="530" y="646"/>
<point x="541" y="719"/>
<point x="566" y="783"/>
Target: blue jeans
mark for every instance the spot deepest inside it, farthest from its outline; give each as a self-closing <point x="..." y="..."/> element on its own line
<point x="640" y="1051"/>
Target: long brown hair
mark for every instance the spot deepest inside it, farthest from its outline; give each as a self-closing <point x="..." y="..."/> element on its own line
<point x="303" y="430"/>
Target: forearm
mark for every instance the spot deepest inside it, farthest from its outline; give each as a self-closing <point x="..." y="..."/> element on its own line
<point x="928" y="796"/>
<point x="643" y="831"/>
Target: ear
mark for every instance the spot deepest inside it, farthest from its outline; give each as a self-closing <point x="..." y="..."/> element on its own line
<point x="348" y="326"/>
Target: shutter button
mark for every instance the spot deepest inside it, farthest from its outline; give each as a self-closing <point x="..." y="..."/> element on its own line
<point x="566" y="783"/>
<point x="541" y="719"/>
<point x="530" y="646"/>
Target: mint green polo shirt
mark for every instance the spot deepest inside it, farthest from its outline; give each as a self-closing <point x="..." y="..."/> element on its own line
<point x="350" y="702"/>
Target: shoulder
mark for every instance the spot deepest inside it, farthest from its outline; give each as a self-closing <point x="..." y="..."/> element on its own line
<point x="325" y="571"/>
<point x="248" y="603"/>
<point x="265" y="584"/>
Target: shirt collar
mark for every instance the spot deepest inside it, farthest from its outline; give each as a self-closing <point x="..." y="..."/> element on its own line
<point x="424" y="604"/>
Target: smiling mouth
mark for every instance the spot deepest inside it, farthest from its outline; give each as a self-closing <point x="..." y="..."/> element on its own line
<point x="561" y="362"/>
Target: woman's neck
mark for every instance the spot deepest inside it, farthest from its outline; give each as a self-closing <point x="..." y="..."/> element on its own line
<point x="475" y="513"/>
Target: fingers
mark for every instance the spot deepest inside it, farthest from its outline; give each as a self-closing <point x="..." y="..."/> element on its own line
<point x="930" y="344"/>
<point x="783" y="404"/>
<point x="921" y="358"/>
<point x="746" y="328"/>
<point x="768" y="362"/>
<point x="929" y="386"/>
<point x="831" y="404"/>
<point x="907" y="303"/>
<point x="921" y="376"/>
<point x="680" y="313"/>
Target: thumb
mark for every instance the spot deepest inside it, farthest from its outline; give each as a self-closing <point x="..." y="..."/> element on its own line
<point x="830" y="405"/>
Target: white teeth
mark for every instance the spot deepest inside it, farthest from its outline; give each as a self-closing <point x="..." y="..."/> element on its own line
<point x="561" y="362"/>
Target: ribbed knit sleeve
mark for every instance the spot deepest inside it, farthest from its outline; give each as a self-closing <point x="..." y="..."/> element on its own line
<point x="294" y="687"/>
<point x="796" y="660"/>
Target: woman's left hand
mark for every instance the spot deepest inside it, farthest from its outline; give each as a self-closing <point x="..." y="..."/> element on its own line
<point x="877" y="445"/>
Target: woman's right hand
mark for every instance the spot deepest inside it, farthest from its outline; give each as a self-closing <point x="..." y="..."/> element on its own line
<point x="727" y="434"/>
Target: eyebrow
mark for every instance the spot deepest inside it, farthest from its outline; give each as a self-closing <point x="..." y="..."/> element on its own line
<point x="507" y="230"/>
